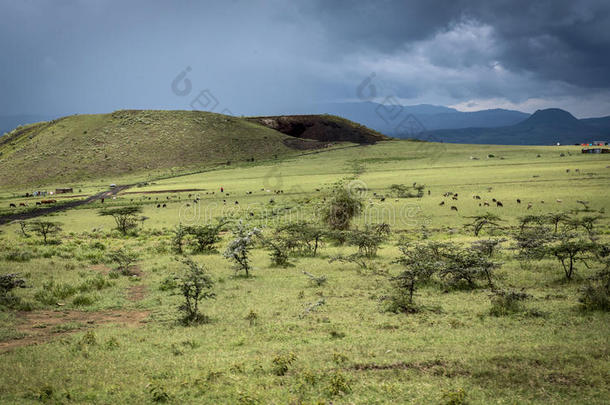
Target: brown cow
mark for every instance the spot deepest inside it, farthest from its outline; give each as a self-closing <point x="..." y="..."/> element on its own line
<point x="48" y="201"/>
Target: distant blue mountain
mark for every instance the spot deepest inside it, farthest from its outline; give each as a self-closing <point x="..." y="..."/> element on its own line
<point x="544" y="127"/>
<point x="391" y="119"/>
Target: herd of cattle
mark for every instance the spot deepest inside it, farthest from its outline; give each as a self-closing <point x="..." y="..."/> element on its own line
<point x="498" y="203"/>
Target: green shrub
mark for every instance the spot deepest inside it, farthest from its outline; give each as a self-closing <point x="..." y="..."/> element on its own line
<point x="595" y="297"/>
<point x="16" y="255"/>
<point x="507" y="302"/>
<point x="83" y="300"/>
<point x="281" y="363"/>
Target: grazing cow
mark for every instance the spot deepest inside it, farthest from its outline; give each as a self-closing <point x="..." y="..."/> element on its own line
<point x="195" y="201"/>
<point x="453" y="208"/>
<point x="158" y="205"/>
<point x="236" y="202"/>
<point x="272" y="201"/>
<point x="559" y="201"/>
<point x="567" y="170"/>
<point x="48" y="201"/>
<point x="486" y="204"/>
<point x="454" y="197"/>
<point x="499" y="204"/>
<point x="22" y="204"/>
<point x="577" y="170"/>
<point x="428" y="192"/>
<point x="382" y="199"/>
<point x="541" y="201"/>
<point x="317" y="189"/>
<point x="12" y="205"/>
<point x="494" y="200"/>
<point x="529" y="205"/>
<point x="224" y="201"/>
<point x="37" y="202"/>
<point x="190" y="195"/>
<point x="518" y="201"/>
<point x="251" y="214"/>
<point x="442" y="203"/>
<point x="164" y="205"/>
<point x="188" y="205"/>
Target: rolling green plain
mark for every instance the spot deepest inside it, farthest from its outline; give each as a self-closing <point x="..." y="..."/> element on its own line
<point x="118" y="339"/>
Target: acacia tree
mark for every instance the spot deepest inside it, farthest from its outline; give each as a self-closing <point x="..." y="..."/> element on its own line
<point x="570" y="251"/>
<point x="45" y="228"/>
<point x="481" y="221"/>
<point x="195" y="285"/>
<point x="555" y="218"/>
<point x="124" y="259"/>
<point x="205" y="236"/>
<point x="239" y="248"/>
<point x="126" y="218"/>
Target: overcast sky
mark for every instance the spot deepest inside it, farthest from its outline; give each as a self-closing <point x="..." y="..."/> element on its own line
<point x="273" y="57"/>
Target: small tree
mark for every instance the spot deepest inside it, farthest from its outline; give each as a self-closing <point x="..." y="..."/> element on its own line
<point x="278" y="251"/>
<point x="124" y="259"/>
<point x="487" y="246"/>
<point x="178" y="236"/>
<point x="195" y="285"/>
<point x="205" y="236"/>
<point x="126" y="218"/>
<point x="369" y="238"/>
<point x="532" y="243"/>
<point x="527" y="220"/>
<point x="570" y="251"/>
<point x="586" y="222"/>
<point x="341" y="207"/>
<point x="302" y="237"/>
<point x="481" y="221"/>
<point x="555" y="218"/>
<point x="467" y="265"/>
<point x="239" y="248"/>
<point x="45" y="228"/>
<point x="24" y="227"/>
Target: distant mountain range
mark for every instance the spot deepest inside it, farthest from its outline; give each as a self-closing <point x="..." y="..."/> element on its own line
<point x="443" y="124"/>
<point x="389" y="118"/>
<point x="544" y="127"/>
<point x="496" y="126"/>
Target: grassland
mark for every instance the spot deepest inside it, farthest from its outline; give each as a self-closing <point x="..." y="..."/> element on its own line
<point x="348" y="350"/>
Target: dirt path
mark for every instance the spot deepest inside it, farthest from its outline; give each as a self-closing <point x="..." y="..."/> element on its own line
<point x="56" y="208"/>
<point x="42" y="326"/>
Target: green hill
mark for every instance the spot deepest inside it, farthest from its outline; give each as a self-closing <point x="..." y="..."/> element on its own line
<point x="130" y="142"/>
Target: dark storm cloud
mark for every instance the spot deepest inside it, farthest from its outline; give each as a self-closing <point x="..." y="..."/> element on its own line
<point x="276" y="56"/>
<point x="558" y="40"/>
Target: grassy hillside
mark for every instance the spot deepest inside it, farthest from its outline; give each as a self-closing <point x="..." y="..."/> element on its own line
<point x="89" y="327"/>
<point x="85" y="147"/>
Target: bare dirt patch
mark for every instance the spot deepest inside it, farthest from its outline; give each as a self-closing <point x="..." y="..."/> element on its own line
<point x="42" y="326"/>
<point x="101" y="268"/>
<point x="136" y="292"/>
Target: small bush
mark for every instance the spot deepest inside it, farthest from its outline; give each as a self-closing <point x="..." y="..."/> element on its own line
<point x="82" y="301"/>
<point x="507" y="302"/>
<point x="338" y="384"/>
<point x="282" y="362"/>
